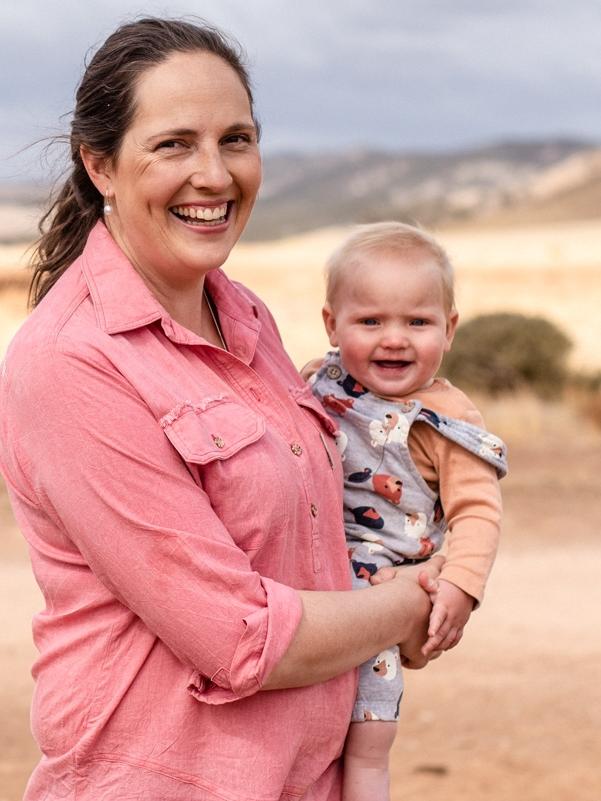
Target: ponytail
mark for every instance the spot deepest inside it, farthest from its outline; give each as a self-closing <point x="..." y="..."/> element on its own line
<point x="64" y="229"/>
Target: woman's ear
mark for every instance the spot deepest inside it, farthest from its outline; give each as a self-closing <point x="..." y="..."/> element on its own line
<point x="452" y="321"/>
<point x="329" y="321"/>
<point x="98" y="168"/>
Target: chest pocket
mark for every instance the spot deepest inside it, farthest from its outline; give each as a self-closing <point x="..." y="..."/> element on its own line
<point x="215" y="429"/>
<point x="234" y="460"/>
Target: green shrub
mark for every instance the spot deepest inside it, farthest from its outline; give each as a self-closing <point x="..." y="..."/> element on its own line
<point x="504" y="352"/>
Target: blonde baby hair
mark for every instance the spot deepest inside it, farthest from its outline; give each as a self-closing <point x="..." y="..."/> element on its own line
<point x="392" y="237"/>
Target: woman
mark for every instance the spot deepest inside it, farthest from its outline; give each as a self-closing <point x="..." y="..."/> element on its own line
<point x="177" y="484"/>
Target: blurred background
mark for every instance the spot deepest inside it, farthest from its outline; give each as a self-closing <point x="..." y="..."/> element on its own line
<point x="482" y="122"/>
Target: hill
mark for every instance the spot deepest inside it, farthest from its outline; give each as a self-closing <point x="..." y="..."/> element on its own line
<point x="507" y="182"/>
<point x="511" y="182"/>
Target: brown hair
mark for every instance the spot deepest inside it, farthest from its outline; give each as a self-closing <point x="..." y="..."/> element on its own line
<point x="394" y="237"/>
<point x="104" y="109"/>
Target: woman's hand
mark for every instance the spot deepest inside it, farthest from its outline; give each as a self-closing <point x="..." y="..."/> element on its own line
<point x="425" y="574"/>
<point x="339" y="630"/>
<point x="413" y="655"/>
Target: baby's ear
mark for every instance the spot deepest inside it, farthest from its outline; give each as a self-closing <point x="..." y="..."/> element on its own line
<point x="452" y="321"/>
<point x="329" y="320"/>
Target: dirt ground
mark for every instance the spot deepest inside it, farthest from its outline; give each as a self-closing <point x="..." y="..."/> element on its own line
<point x="515" y="711"/>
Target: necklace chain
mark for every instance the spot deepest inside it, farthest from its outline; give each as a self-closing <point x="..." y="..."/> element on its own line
<point x="215" y="320"/>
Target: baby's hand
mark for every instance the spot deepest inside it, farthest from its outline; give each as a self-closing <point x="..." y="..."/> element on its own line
<point x="451" y="610"/>
<point x="308" y="370"/>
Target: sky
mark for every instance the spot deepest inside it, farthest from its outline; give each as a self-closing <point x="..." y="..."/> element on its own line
<point x="336" y="74"/>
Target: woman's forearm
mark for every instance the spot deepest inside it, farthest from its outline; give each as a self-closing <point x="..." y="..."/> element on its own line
<point x="340" y="630"/>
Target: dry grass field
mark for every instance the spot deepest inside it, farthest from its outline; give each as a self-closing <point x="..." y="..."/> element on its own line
<point x="515" y="711"/>
<point x="550" y="271"/>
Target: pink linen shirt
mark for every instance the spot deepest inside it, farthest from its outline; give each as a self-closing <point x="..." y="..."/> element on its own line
<point x="174" y="497"/>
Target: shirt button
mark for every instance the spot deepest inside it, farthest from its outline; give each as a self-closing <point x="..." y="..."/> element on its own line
<point x="296" y="449"/>
<point x="218" y="441"/>
<point x="314" y="510"/>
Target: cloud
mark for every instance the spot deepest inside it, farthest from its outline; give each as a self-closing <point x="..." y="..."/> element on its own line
<point x="340" y="73"/>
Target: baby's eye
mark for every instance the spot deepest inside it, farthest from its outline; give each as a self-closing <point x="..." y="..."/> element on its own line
<point x="419" y="321"/>
<point x="370" y="321"/>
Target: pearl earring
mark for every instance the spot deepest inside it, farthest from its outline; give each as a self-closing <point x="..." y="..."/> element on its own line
<point x="107" y="208"/>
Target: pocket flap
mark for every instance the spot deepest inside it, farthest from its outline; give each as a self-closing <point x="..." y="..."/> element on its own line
<point x="214" y="429"/>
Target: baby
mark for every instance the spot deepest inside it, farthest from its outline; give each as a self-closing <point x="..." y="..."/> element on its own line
<point x="417" y="459"/>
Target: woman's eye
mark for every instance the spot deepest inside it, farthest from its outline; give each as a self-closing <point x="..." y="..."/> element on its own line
<point x="237" y="139"/>
<point x="170" y="144"/>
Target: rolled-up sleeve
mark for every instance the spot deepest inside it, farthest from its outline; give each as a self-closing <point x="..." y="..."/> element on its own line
<point x="127" y="508"/>
<point x="264" y="641"/>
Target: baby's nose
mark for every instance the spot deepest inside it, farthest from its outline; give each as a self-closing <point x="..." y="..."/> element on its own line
<point x="395" y="338"/>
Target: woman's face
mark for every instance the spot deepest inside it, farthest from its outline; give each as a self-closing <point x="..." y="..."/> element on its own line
<point x="186" y="176"/>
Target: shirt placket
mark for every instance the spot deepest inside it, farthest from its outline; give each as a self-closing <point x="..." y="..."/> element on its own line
<point x="284" y="419"/>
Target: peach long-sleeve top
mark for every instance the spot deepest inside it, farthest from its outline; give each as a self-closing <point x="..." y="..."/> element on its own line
<point x="174" y="497"/>
<point x="467" y="485"/>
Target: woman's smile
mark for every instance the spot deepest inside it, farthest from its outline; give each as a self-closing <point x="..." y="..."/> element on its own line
<point x="187" y="173"/>
<point x="201" y="216"/>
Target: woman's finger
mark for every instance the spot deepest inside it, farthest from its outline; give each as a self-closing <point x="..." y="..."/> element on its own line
<point x="433" y="566"/>
<point x="384" y="574"/>
<point x="429" y="572"/>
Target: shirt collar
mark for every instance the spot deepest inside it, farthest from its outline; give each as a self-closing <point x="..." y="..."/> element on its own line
<point x="123" y="302"/>
<point x="121" y="299"/>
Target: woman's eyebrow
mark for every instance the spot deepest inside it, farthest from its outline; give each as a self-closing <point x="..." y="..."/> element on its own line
<point x="174" y="132"/>
<point x="240" y="126"/>
<point x="233" y="128"/>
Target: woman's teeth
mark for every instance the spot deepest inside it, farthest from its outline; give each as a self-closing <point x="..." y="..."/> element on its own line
<point x="201" y="214"/>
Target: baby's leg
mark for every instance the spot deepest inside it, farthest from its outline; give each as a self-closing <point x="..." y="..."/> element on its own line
<point x="366" y="776"/>
<point x="372" y="731"/>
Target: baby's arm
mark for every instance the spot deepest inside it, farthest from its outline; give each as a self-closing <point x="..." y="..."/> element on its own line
<point x="469" y="492"/>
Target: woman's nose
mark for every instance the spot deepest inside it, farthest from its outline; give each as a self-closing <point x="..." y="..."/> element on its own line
<point x="210" y="171"/>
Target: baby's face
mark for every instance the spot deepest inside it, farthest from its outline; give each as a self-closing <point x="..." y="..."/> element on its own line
<point x="389" y="320"/>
